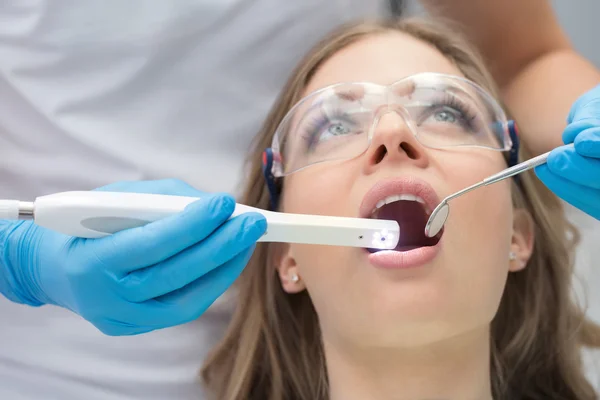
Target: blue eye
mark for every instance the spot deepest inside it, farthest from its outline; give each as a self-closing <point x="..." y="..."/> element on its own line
<point x="337" y="129"/>
<point x="450" y="114"/>
<point x="445" y="116"/>
<point x="324" y="128"/>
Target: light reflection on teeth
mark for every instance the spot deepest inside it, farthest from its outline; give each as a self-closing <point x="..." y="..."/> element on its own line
<point x="398" y="197"/>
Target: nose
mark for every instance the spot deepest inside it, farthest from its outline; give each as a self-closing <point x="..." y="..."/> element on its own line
<point x="394" y="142"/>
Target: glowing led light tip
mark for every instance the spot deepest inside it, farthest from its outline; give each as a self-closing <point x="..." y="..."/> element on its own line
<point x="383" y="240"/>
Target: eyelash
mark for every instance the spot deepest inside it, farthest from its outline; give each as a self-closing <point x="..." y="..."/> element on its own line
<point x="468" y="116"/>
<point x="318" y="123"/>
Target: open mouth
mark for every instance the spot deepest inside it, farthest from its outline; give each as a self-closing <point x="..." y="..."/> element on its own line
<point x="411" y="213"/>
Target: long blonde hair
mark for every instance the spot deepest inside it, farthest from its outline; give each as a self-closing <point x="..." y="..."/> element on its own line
<point x="273" y="349"/>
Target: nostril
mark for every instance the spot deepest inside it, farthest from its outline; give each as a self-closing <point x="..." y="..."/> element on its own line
<point x="379" y="155"/>
<point x="409" y="150"/>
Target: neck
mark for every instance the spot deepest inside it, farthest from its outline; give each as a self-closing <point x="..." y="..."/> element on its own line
<point x="455" y="370"/>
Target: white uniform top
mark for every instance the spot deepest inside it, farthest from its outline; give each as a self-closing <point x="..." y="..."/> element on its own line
<point x="93" y="92"/>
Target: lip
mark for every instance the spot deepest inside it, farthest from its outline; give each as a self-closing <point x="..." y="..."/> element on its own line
<point x="391" y="259"/>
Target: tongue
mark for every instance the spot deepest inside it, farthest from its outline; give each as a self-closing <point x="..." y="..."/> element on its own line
<point x="412" y="218"/>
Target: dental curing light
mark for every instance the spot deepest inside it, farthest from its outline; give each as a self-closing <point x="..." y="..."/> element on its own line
<point x="95" y="214"/>
<point x="438" y="217"/>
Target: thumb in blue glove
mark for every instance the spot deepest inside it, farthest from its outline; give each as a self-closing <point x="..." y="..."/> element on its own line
<point x="156" y="276"/>
<point x="573" y="174"/>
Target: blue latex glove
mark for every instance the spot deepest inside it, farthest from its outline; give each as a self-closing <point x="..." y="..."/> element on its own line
<point x="163" y="274"/>
<point x="573" y="174"/>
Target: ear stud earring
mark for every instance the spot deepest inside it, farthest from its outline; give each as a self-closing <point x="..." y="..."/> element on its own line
<point x="295" y="278"/>
<point x="512" y="256"/>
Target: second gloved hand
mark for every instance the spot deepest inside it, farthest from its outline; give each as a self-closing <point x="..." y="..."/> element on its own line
<point x="160" y="275"/>
<point x="573" y="174"/>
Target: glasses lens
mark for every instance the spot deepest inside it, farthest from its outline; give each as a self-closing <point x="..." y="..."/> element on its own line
<point x="329" y="125"/>
<point x="449" y="112"/>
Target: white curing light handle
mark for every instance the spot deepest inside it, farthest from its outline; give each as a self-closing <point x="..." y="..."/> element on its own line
<point x="9" y="209"/>
<point x="97" y="214"/>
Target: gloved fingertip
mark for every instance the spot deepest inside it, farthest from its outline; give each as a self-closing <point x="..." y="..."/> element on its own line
<point x="558" y="159"/>
<point x="216" y="204"/>
<point x="255" y="224"/>
<point x="570" y="133"/>
<point x="587" y="143"/>
<point x="583" y="147"/>
<point x="260" y="223"/>
<point x="223" y="203"/>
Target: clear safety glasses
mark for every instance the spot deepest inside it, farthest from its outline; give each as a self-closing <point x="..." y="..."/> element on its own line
<point x="338" y="122"/>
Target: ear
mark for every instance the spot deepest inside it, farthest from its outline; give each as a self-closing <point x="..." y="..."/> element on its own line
<point x="285" y="263"/>
<point x="523" y="239"/>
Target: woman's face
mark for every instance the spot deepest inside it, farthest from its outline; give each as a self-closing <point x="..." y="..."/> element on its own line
<point x="421" y="295"/>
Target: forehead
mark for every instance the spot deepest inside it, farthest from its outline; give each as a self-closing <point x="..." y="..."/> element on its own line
<point x="381" y="59"/>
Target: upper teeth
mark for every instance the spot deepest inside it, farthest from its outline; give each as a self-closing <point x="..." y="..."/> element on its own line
<point x="397" y="197"/>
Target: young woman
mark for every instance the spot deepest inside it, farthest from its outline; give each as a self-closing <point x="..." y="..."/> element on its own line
<point x="383" y="120"/>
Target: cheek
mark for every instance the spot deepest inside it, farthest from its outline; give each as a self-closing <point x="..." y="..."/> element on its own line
<point x="322" y="191"/>
<point x="478" y="237"/>
<point x="482" y="217"/>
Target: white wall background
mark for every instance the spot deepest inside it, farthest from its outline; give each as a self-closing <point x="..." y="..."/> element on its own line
<point x="580" y="19"/>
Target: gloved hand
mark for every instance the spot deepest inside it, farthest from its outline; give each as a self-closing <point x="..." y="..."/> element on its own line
<point x="160" y="275"/>
<point x="573" y="174"/>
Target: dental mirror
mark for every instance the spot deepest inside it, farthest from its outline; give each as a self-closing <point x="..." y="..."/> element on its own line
<point x="438" y="217"/>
